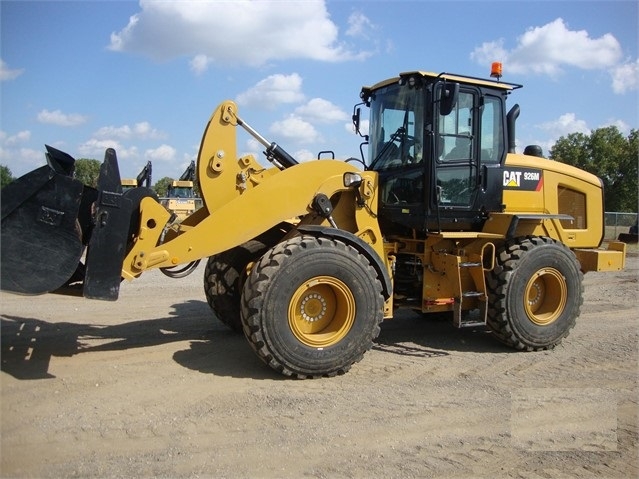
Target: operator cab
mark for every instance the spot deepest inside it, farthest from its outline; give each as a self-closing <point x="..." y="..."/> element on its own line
<point x="180" y="192"/>
<point x="438" y="143"/>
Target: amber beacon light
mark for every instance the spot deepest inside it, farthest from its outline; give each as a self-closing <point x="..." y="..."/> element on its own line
<point x="495" y="70"/>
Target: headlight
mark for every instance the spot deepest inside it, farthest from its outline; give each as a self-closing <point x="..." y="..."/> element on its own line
<point x="352" y="179"/>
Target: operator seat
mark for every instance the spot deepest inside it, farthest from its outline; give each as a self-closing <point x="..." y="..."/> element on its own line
<point x="461" y="150"/>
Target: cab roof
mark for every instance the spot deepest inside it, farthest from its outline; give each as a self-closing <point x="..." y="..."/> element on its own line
<point x="449" y="76"/>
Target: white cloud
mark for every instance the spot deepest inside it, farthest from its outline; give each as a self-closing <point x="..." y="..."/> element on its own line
<point x="253" y="147"/>
<point x="359" y="25"/>
<point x="320" y="110"/>
<point x="273" y="91"/>
<point x="621" y="125"/>
<point x="106" y="132"/>
<point x="565" y="125"/>
<point x="142" y="130"/>
<point x="7" y="73"/>
<point x="61" y="119"/>
<point x="12" y="140"/>
<point x="295" y="129"/>
<point x="625" y="77"/>
<point x="29" y="154"/>
<point x="95" y="148"/>
<point x="546" y="49"/>
<point x="200" y="63"/>
<point x="304" y="155"/>
<point x="187" y="158"/>
<point x="489" y="52"/>
<point x="239" y="32"/>
<point x="21" y="160"/>
<point x="161" y="153"/>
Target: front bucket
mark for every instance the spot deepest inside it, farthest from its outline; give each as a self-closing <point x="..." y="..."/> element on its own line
<point x="48" y="218"/>
<point x="41" y="237"/>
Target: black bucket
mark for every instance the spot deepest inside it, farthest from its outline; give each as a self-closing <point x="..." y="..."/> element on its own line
<point x="51" y="223"/>
<point x="41" y="238"/>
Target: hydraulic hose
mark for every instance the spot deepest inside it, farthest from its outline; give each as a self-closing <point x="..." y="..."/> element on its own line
<point x="182" y="272"/>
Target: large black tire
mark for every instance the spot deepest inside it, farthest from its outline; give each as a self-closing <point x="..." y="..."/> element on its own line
<point x="535" y="293"/>
<point x="224" y="278"/>
<point x="311" y="307"/>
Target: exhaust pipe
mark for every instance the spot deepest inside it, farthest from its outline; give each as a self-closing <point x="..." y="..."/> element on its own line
<point x="511" y="118"/>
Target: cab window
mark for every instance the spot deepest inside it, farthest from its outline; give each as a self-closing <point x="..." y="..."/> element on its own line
<point x="455" y="131"/>
<point x="492" y="130"/>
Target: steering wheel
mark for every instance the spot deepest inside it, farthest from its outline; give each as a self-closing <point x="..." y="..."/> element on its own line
<point x="407" y="142"/>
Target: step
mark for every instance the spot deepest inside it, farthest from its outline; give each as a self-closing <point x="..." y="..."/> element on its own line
<point x="471" y="324"/>
<point x="473" y="294"/>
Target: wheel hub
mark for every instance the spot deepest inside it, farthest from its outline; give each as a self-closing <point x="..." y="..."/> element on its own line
<point x="313" y="307"/>
<point x="545" y="296"/>
<point x="321" y="311"/>
<point x="534" y="295"/>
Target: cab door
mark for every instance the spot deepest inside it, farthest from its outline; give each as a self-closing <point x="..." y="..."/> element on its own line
<point x="469" y="145"/>
<point x="457" y="164"/>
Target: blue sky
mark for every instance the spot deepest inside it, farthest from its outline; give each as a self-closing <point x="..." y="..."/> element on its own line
<point x="143" y="77"/>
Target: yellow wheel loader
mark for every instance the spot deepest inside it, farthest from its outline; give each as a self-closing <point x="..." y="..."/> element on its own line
<point x="180" y="198"/>
<point x="144" y="178"/>
<point x="307" y="259"/>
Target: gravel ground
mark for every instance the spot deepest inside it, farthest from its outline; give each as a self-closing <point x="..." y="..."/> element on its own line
<point x="153" y="385"/>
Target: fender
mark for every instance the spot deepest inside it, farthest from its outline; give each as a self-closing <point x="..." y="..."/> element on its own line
<point x="361" y="246"/>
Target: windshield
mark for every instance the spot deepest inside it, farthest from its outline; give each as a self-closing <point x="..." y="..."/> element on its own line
<point x="395" y="134"/>
<point x="181" y="192"/>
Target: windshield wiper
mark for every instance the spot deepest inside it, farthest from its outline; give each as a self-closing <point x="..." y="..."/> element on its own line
<point x="401" y="131"/>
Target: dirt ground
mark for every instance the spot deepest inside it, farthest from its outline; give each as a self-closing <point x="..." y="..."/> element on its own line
<point x="154" y="386"/>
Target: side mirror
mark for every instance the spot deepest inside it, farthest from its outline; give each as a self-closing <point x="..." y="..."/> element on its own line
<point x="356" y="118"/>
<point x="448" y="97"/>
<point x="357" y="111"/>
<point x="356" y="115"/>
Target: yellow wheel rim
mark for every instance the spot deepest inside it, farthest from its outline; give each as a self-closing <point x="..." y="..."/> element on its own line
<point x="545" y="296"/>
<point x="321" y="312"/>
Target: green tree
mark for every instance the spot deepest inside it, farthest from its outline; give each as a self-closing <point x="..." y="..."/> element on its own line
<point x="5" y="176"/>
<point x="87" y="171"/>
<point x="161" y="187"/>
<point x="610" y="156"/>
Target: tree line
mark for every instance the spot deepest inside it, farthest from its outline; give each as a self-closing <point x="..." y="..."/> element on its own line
<point x="605" y="152"/>
<point x="609" y="155"/>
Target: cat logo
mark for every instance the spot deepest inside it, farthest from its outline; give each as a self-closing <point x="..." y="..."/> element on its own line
<point x="524" y="179"/>
<point x="512" y="178"/>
